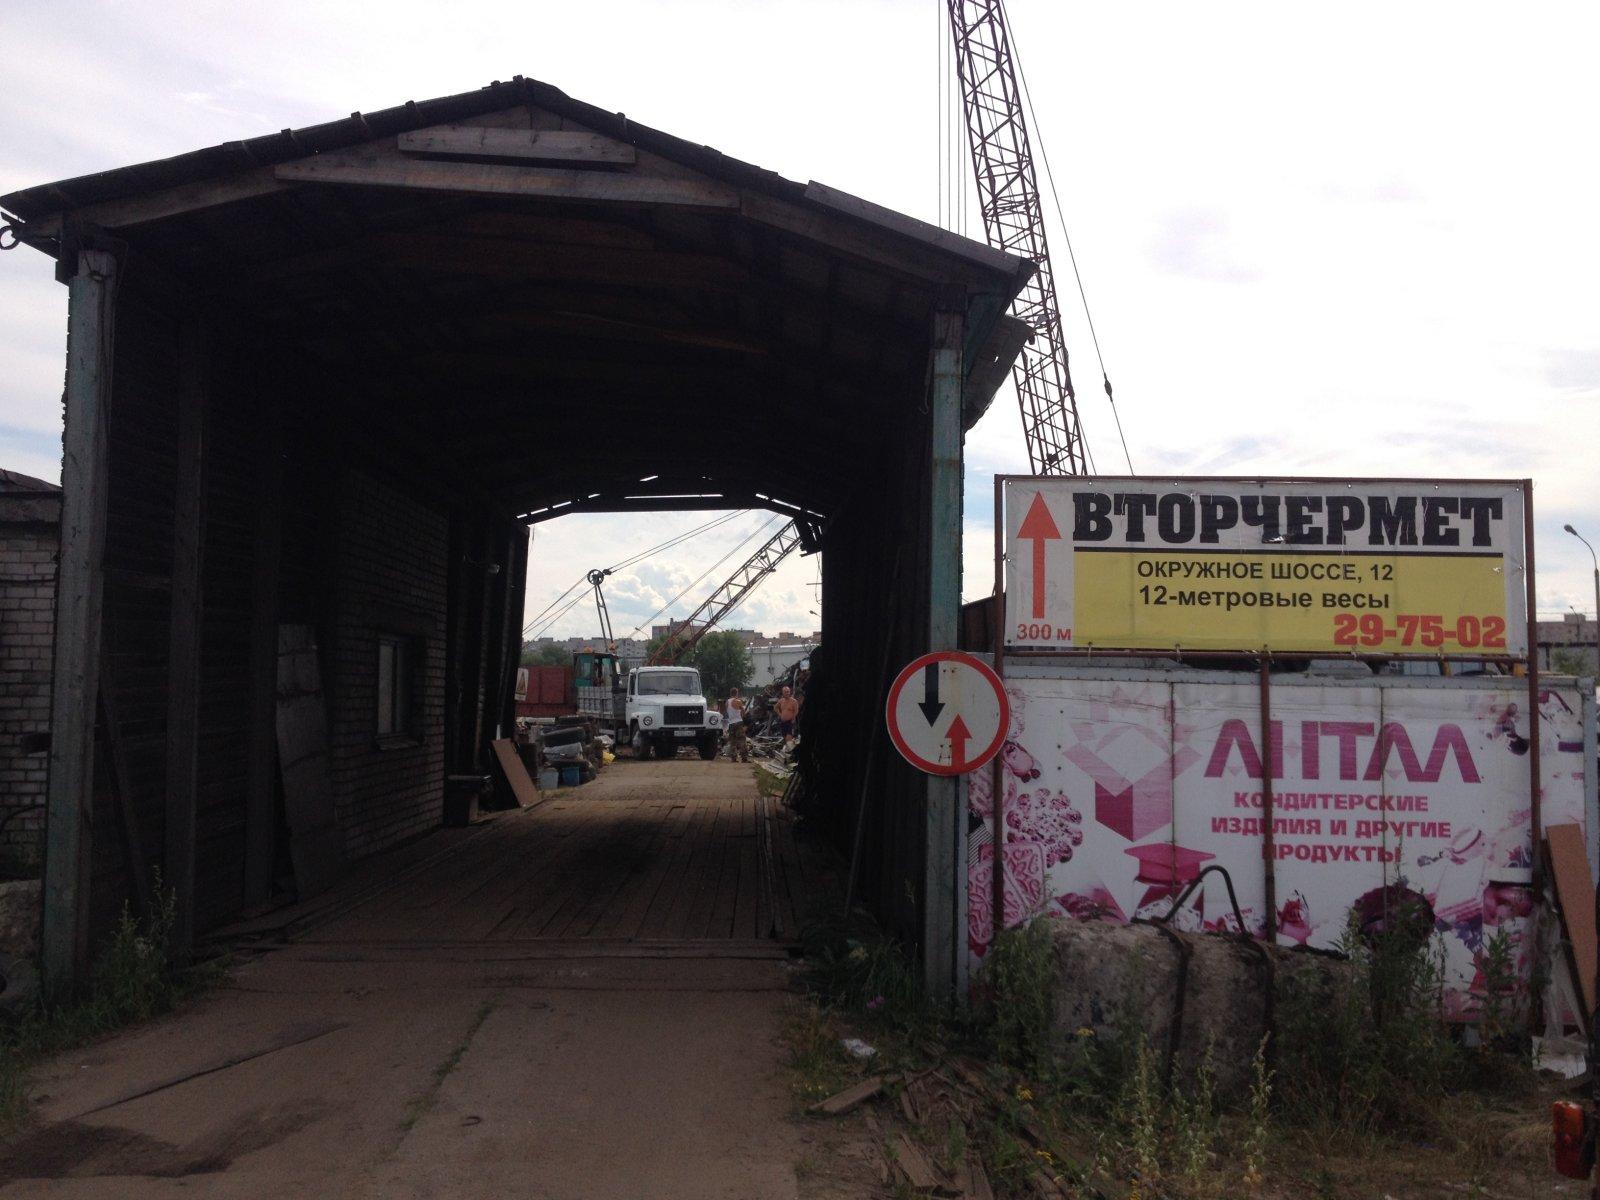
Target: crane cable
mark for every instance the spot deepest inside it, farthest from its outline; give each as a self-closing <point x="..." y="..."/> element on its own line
<point x="1072" y="257"/>
<point x="675" y="540"/>
<point x="535" y="634"/>
<point x="759" y="529"/>
<point x="678" y="540"/>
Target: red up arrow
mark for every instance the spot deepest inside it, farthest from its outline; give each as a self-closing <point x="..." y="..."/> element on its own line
<point x="1038" y="527"/>
<point x="959" y="736"/>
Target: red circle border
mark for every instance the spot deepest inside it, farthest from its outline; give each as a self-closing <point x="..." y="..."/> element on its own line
<point x="905" y="676"/>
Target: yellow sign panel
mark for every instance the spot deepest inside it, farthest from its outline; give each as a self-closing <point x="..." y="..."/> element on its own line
<point x="1366" y="567"/>
<point x="1390" y="604"/>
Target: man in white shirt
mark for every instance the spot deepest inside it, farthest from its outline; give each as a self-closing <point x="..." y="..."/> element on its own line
<point x="738" y="746"/>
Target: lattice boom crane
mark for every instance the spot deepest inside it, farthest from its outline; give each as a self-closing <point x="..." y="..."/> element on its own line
<point x="683" y="636"/>
<point x="1013" y="219"/>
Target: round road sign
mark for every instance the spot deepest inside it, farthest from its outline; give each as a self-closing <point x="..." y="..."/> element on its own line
<point x="947" y="713"/>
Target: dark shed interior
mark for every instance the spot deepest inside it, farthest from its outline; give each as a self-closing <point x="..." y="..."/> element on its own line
<point x="321" y="381"/>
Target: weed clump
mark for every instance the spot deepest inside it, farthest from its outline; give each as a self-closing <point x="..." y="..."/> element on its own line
<point x="1369" y="1049"/>
<point x="135" y="977"/>
<point x="1361" y="1055"/>
<point x="1017" y="1006"/>
<point x="863" y="973"/>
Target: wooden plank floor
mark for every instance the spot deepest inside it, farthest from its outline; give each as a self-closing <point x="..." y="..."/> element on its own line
<point x="650" y="852"/>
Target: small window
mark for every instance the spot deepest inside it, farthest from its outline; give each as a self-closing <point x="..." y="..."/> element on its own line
<point x="396" y="661"/>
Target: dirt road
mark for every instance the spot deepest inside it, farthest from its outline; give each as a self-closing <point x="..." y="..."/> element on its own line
<point x="551" y="1068"/>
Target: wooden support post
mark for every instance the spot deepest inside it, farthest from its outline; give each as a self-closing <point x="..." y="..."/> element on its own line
<point x="516" y="600"/>
<point x="452" y="649"/>
<point x="480" y="637"/>
<point x="497" y="601"/>
<point x="464" y="656"/>
<point x="943" y="824"/>
<point x="260" y="823"/>
<point x="91" y="318"/>
<point x="121" y="792"/>
<point x="185" y="630"/>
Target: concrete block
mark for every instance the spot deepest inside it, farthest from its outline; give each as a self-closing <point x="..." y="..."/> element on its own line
<point x="19" y="917"/>
<point x="1103" y="970"/>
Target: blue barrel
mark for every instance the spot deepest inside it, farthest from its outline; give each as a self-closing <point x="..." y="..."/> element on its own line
<point x="570" y="777"/>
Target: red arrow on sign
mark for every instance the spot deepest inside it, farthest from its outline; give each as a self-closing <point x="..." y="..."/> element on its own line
<point x="1038" y="527"/>
<point x="959" y="736"/>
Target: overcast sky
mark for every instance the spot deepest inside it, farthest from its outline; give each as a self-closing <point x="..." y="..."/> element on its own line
<point x="1342" y="239"/>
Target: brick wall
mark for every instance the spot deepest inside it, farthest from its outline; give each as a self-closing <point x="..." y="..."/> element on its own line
<point x="27" y="621"/>
<point x="393" y="558"/>
<point x="1573" y="638"/>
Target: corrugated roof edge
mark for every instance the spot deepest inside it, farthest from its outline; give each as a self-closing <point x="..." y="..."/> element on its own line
<point x="197" y="165"/>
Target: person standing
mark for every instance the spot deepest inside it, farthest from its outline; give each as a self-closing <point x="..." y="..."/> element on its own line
<point x="738" y="744"/>
<point x="788" y="708"/>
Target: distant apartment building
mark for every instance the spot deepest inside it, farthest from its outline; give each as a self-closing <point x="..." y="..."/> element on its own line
<point x="1569" y="640"/>
<point x="753" y="638"/>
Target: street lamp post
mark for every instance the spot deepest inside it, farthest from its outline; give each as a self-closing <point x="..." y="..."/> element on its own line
<point x="1594" y="1019"/>
<point x="1596" y="562"/>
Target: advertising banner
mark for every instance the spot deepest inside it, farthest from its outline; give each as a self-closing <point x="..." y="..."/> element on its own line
<point x="1381" y="567"/>
<point x="1116" y="793"/>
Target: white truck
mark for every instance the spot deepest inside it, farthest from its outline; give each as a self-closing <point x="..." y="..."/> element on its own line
<point x="664" y="710"/>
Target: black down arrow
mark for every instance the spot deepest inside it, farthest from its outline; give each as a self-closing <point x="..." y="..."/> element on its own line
<point x="930" y="706"/>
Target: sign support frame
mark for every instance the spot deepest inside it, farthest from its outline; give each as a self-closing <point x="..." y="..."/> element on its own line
<point x="1529" y="662"/>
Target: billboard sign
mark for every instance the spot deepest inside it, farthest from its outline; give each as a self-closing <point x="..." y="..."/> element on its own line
<point x="1375" y="567"/>
<point x="1115" y="793"/>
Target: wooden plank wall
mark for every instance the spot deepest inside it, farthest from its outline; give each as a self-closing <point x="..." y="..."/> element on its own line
<point x="867" y="599"/>
<point x="392" y="579"/>
<point x="233" y="481"/>
<point x="141" y="469"/>
<point x="139" y="561"/>
<point x="356" y="554"/>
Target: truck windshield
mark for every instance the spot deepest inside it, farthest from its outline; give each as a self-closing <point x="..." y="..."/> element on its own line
<point x="667" y="683"/>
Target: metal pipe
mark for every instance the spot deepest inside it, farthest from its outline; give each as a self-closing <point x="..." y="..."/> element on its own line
<point x="1535" y="788"/>
<point x="1535" y="784"/>
<point x="996" y="777"/>
<point x="1237" y="655"/>
<point x="1268" y="849"/>
<point x="873" y="736"/>
<point x="1341" y="480"/>
<point x="1593" y="558"/>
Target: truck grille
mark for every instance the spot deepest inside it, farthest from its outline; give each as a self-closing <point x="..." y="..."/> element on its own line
<point x="684" y="714"/>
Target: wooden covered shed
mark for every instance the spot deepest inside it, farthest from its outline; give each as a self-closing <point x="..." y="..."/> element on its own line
<point x="319" y="382"/>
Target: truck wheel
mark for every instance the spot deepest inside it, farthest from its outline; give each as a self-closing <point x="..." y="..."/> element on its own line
<point x="708" y="748"/>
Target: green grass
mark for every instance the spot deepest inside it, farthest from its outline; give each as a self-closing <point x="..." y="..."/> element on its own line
<point x="769" y="783"/>
<point x="422" y="1103"/>
<point x="1371" y="1092"/>
<point x="818" y="1064"/>
<point x="134" y="979"/>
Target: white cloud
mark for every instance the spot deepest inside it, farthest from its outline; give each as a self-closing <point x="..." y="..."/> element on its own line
<point x="1389" y="246"/>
